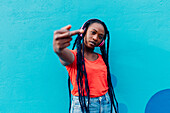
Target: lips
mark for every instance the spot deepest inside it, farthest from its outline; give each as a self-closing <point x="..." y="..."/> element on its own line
<point x="92" y="43"/>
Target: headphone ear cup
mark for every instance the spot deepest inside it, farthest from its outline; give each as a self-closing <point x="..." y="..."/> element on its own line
<point x="101" y="44"/>
<point x="82" y="33"/>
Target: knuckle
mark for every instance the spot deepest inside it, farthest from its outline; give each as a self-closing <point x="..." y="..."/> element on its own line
<point x="56" y="31"/>
<point x="56" y="36"/>
<point x="58" y="43"/>
<point x="58" y="47"/>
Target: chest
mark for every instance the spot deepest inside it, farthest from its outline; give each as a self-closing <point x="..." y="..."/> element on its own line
<point x="96" y="68"/>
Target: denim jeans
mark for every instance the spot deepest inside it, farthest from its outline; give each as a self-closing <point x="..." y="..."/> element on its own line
<point x="100" y="104"/>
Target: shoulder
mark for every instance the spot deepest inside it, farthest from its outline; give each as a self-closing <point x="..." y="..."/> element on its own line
<point x="99" y="55"/>
<point x="100" y="58"/>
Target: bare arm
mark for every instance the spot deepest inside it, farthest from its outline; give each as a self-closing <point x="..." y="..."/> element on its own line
<point x="61" y="41"/>
<point x="66" y="57"/>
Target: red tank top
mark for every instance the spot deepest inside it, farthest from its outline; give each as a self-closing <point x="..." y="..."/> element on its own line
<point x="96" y="75"/>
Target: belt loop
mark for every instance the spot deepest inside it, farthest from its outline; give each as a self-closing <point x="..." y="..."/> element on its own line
<point x="107" y="97"/>
<point x="100" y="98"/>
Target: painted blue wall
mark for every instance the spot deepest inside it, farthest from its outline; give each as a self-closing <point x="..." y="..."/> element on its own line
<point x="33" y="81"/>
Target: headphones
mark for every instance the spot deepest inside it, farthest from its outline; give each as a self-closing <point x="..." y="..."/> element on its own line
<point x="83" y="27"/>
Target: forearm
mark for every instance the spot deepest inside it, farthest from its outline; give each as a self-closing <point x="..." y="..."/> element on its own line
<point x="66" y="56"/>
<point x="61" y="40"/>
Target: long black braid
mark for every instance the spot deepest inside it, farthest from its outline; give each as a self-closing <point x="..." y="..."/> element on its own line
<point x="81" y="70"/>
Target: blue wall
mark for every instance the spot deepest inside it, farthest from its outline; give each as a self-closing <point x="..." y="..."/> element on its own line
<point x="32" y="80"/>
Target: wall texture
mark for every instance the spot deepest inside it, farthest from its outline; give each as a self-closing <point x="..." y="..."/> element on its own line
<point x="33" y="81"/>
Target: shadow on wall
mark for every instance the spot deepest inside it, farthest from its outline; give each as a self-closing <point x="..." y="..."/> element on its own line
<point x="122" y="107"/>
<point x="159" y="103"/>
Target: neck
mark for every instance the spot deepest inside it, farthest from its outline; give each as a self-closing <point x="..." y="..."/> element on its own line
<point x="88" y="50"/>
<point x="89" y="54"/>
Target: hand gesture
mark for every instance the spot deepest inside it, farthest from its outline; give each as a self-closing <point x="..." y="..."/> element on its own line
<point x="62" y="38"/>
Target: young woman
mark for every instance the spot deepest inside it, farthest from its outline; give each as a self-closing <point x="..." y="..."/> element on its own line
<point x="88" y="71"/>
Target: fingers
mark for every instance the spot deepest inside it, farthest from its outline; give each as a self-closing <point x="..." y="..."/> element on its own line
<point x="68" y="34"/>
<point x="80" y="31"/>
<point x="60" y="31"/>
<point x="67" y="27"/>
<point x="60" y="46"/>
<point x="72" y="32"/>
<point x="64" y="46"/>
<point x="63" y="29"/>
<point x="65" y="40"/>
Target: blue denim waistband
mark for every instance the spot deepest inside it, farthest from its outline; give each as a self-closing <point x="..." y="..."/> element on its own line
<point x="105" y="96"/>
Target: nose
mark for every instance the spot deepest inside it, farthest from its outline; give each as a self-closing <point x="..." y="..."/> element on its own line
<point x="95" y="37"/>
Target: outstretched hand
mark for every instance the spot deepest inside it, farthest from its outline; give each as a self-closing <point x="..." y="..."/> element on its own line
<point x="62" y="38"/>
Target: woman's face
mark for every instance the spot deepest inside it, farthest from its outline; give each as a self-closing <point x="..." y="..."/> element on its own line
<point x="94" y="35"/>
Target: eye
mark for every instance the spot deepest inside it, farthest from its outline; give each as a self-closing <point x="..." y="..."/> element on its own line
<point x="93" y="32"/>
<point x="100" y="37"/>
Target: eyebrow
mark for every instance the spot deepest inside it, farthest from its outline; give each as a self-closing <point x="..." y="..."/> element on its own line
<point x="96" y="31"/>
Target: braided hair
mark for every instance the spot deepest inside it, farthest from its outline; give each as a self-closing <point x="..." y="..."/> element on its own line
<point x="81" y="70"/>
